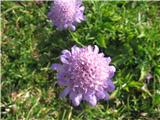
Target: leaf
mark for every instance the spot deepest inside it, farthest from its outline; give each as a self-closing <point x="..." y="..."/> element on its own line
<point x="114" y="94"/>
<point x="157" y="70"/>
<point x="135" y="84"/>
<point x="144" y="72"/>
<point x="157" y="99"/>
<point x="101" y="41"/>
<point x="145" y="89"/>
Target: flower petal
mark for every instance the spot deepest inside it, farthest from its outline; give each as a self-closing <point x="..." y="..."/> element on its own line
<point x="65" y="26"/>
<point x="108" y="59"/>
<point x="109" y="85"/>
<point x="67" y="53"/>
<point x="90" y="49"/>
<point x="91" y="98"/>
<point x="63" y="82"/>
<point x="63" y="59"/>
<point x="107" y="97"/>
<point x="77" y="20"/>
<point x="82" y="8"/>
<point x="75" y="49"/>
<point x="56" y="67"/>
<point x="96" y="49"/>
<point x="72" y="27"/>
<point x="76" y="98"/>
<point x="112" y="70"/>
<point x="100" y="94"/>
<point x="65" y="92"/>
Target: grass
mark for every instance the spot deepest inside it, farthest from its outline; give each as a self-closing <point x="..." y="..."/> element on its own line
<point x="129" y="32"/>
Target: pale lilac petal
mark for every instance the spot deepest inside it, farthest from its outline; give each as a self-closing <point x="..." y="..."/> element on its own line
<point x="78" y="2"/>
<point x="109" y="85"/>
<point x="72" y="27"/>
<point x="76" y="98"/>
<point x="106" y="97"/>
<point x="90" y="49"/>
<point x="78" y="20"/>
<point x="67" y="53"/>
<point x="65" y="92"/>
<point x="82" y="8"/>
<point x="91" y="99"/>
<point x="56" y="67"/>
<point x="96" y="49"/>
<point x="74" y="49"/>
<point x="65" y="26"/>
<point x="63" y="59"/>
<point x="101" y="94"/>
<point x="101" y="54"/>
<point x="112" y="70"/>
<point x="63" y="82"/>
<point x="108" y="59"/>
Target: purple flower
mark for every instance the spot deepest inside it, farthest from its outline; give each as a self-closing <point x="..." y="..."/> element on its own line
<point x="86" y="75"/>
<point x="66" y="13"/>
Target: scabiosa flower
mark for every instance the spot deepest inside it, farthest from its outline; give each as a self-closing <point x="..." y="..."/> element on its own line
<point x="86" y="75"/>
<point x="66" y="13"/>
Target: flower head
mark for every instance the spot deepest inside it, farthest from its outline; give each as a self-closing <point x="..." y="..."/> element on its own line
<point x="86" y="75"/>
<point x="66" y="13"/>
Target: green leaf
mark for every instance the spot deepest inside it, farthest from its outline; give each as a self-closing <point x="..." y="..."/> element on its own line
<point x="157" y="99"/>
<point x="101" y="41"/>
<point x="135" y="84"/>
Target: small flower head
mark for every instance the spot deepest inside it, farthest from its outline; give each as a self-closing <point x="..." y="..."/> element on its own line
<point x="149" y="77"/>
<point x="86" y="75"/>
<point x="66" y="13"/>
